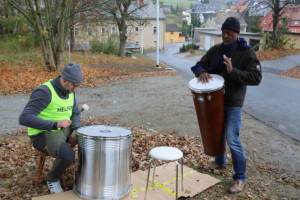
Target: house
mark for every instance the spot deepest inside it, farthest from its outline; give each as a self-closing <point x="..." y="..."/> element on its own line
<point x="256" y="8"/>
<point x="216" y="22"/>
<point x="173" y="35"/>
<point x="290" y="17"/>
<point x="205" y="11"/>
<point x="212" y="34"/>
<point x="167" y="8"/>
<point x="141" y="29"/>
<point x="208" y="38"/>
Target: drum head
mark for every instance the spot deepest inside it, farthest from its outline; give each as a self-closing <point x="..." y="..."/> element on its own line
<point x="104" y="131"/>
<point x="215" y="83"/>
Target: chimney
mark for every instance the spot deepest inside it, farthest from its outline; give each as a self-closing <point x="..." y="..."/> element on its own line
<point x="141" y="2"/>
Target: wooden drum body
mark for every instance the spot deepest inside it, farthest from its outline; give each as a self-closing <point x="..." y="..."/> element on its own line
<point x="209" y="104"/>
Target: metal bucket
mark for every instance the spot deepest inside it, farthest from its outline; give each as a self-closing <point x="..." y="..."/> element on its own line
<point x="104" y="162"/>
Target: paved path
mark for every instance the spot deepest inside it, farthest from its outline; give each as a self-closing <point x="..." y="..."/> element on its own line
<point x="276" y="101"/>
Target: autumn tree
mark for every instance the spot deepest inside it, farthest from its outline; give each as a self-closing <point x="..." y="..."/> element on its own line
<point x="277" y="6"/>
<point x="121" y="12"/>
<point x="50" y="20"/>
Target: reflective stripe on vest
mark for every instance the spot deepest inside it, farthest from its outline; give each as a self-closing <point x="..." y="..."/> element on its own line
<point x="58" y="109"/>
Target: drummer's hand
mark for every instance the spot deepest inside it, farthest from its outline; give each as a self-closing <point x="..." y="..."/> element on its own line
<point x="204" y="77"/>
<point x="64" y="123"/>
<point x="227" y="62"/>
<point x="73" y="139"/>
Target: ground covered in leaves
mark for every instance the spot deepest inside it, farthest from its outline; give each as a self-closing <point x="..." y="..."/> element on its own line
<point x="19" y="74"/>
<point x="18" y="166"/>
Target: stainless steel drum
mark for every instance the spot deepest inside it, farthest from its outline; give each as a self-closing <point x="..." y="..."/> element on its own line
<point x="104" y="162"/>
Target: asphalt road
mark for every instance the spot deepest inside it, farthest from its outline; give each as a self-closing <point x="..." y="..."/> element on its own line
<point x="276" y="101"/>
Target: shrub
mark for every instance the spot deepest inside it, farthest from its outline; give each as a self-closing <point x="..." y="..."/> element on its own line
<point x="188" y="47"/>
<point x="109" y="46"/>
<point x="18" y="42"/>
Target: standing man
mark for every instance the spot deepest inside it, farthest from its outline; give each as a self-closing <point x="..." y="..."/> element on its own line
<point x="238" y="64"/>
<point x="51" y="116"/>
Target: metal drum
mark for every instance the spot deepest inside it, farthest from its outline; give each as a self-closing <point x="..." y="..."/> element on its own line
<point x="104" y="162"/>
<point x="209" y="104"/>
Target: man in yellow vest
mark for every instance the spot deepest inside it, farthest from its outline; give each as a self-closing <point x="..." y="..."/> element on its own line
<point x="51" y="116"/>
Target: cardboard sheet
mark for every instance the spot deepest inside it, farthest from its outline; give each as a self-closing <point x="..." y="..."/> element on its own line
<point x="163" y="188"/>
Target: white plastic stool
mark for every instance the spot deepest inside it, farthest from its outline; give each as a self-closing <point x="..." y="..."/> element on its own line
<point x="167" y="154"/>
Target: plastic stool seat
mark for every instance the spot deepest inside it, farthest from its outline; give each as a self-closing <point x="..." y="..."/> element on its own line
<point x="166" y="153"/>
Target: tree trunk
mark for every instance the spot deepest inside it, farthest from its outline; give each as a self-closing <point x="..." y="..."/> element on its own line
<point x="122" y="45"/>
<point x="276" y="11"/>
<point x="61" y="36"/>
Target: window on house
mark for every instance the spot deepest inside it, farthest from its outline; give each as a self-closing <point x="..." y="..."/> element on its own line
<point x="76" y="31"/>
<point x="136" y="29"/>
<point x="154" y="30"/>
<point x="293" y="30"/>
<point x="89" y="32"/>
<point x="172" y="32"/>
<point x="102" y="30"/>
<point x="280" y="22"/>
<point x="296" y="21"/>
<point x="154" y="43"/>
<point x="137" y="43"/>
<point x="23" y="3"/>
<point x="271" y="21"/>
<point x="113" y="29"/>
<point x="265" y="21"/>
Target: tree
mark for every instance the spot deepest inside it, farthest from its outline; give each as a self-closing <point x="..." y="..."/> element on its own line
<point x="277" y="7"/>
<point x="50" y="21"/>
<point x="253" y="22"/>
<point x="120" y="12"/>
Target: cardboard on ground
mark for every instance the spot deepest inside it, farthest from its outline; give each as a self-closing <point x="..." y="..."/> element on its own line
<point x="164" y="189"/>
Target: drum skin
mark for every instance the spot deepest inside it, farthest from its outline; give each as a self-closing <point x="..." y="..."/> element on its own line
<point x="210" y="113"/>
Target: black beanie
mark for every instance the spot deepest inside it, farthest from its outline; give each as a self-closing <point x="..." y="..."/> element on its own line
<point x="232" y="23"/>
<point x="72" y="72"/>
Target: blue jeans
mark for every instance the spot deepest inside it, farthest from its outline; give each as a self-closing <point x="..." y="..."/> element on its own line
<point x="232" y="127"/>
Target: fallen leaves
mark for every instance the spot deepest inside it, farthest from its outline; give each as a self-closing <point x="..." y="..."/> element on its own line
<point x="18" y="165"/>
<point x="21" y="73"/>
<point x="276" y="53"/>
<point x="19" y="161"/>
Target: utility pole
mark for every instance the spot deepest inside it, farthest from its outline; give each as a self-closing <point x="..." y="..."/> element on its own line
<point x="157" y="33"/>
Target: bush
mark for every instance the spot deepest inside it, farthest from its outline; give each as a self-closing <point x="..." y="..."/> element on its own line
<point x="109" y="46"/>
<point x="188" y="47"/>
<point x="18" y="42"/>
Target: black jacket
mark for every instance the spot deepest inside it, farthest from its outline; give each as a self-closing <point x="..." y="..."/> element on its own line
<point x="246" y="71"/>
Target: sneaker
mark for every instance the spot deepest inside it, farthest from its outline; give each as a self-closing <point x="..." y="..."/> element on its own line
<point x="212" y="166"/>
<point x="54" y="187"/>
<point x="237" y="187"/>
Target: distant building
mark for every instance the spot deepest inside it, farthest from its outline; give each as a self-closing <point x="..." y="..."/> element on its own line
<point x="173" y="35"/>
<point x="216" y="22"/>
<point x="167" y="8"/>
<point x="207" y="39"/>
<point x="291" y="16"/>
<point x="141" y="29"/>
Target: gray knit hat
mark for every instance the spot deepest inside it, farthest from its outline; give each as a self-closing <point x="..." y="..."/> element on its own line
<point x="72" y="72"/>
<point x="232" y="23"/>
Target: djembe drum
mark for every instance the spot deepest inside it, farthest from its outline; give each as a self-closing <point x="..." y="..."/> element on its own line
<point x="209" y="104"/>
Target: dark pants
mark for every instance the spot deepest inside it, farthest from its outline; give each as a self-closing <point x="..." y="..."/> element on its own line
<point x="55" y="144"/>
